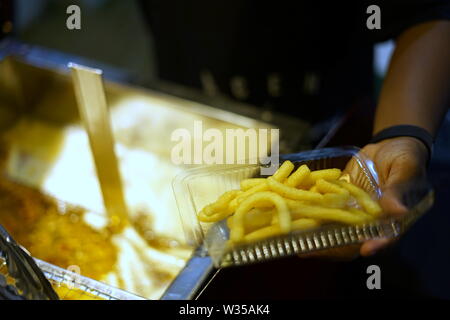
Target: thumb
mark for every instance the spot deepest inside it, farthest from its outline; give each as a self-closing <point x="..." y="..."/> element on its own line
<point x="392" y="205"/>
<point x="402" y="179"/>
<point x="391" y="200"/>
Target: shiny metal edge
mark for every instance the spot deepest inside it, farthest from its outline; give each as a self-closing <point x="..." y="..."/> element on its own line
<point x="93" y="287"/>
<point x="191" y="278"/>
<point x="199" y="267"/>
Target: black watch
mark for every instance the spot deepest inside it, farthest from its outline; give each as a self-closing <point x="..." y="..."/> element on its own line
<point x="406" y="131"/>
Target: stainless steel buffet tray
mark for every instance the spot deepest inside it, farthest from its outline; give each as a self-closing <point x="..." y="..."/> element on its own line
<point x="50" y="150"/>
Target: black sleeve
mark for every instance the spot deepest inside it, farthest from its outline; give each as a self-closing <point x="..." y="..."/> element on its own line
<point x="399" y="15"/>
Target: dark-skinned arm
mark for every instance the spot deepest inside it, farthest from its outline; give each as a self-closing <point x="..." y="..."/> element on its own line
<point x="416" y="91"/>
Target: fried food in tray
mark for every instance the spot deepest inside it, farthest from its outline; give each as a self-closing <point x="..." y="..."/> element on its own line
<point x="53" y="233"/>
<point x="66" y="293"/>
<point x="41" y="163"/>
<point x="57" y="233"/>
<point x="318" y="200"/>
<point x="291" y="200"/>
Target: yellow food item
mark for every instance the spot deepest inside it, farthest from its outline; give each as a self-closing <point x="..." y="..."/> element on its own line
<point x="66" y="293"/>
<point x="300" y="210"/>
<point x="298" y="177"/>
<point x="284" y="218"/>
<point x="144" y="258"/>
<point x="241" y="197"/>
<point x="324" y="186"/>
<point x="60" y="238"/>
<point x="361" y="213"/>
<point x="335" y="200"/>
<point x="274" y="230"/>
<point x="61" y="234"/>
<point x="362" y="197"/>
<point x="218" y="210"/>
<point x="291" y="200"/>
<point x="325" y="174"/>
<point x="255" y="219"/>
<point x="250" y="183"/>
<point x="345" y="177"/>
<point x="293" y="193"/>
<point x="283" y="171"/>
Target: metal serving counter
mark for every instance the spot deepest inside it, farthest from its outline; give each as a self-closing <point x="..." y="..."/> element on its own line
<point x="47" y="149"/>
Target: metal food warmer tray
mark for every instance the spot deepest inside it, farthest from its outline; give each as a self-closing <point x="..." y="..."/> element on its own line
<point x="35" y="86"/>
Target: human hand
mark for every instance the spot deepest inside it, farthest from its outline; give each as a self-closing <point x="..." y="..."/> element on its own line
<point x="401" y="166"/>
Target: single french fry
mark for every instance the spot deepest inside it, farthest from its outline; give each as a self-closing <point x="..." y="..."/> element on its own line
<point x="263" y="233"/>
<point x="232" y="206"/>
<point x="314" y="189"/>
<point x="217" y="216"/>
<point x="247" y="184"/>
<point x="324" y="186"/>
<point x="230" y="222"/>
<point x="293" y="203"/>
<point x="257" y="188"/>
<point x="284" y="171"/>
<point x="241" y="197"/>
<point x="328" y="214"/>
<point x="362" y="197"/>
<point x="219" y="209"/>
<point x="255" y="219"/>
<point x="293" y="193"/>
<point x="361" y="213"/>
<point x="274" y="230"/>
<point x="297" y="178"/>
<point x="238" y="230"/>
<point x="260" y="205"/>
<point x="325" y="174"/>
<point x="335" y="200"/>
<point x="345" y="177"/>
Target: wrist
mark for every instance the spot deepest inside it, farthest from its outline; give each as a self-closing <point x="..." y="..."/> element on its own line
<point x="417" y="134"/>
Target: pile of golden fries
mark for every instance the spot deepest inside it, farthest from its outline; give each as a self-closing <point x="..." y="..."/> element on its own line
<point x="291" y="200"/>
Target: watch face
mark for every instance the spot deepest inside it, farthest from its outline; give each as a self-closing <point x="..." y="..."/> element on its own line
<point x="6" y="25"/>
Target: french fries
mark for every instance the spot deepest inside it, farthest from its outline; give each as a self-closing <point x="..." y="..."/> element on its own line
<point x="284" y="171"/>
<point x="284" y="218"/>
<point x="362" y="197"/>
<point x="247" y="184"/>
<point x="274" y="230"/>
<point x="293" y="193"/>
<point x="324" y="186"/>
<point x="334" y="200"/>
<point x="218" y="210"/>
<point x="291" y="200"/>
<point x="256" y="218"/>
<point x="295" y="179"/>
<point x="301" y="210"/>
<point x="325" y="174"/>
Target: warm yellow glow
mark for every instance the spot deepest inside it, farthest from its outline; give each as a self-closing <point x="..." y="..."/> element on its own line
<point x="69" y="175"/>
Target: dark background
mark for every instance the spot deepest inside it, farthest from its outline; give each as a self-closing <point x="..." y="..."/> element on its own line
<point x="114" y="32"/>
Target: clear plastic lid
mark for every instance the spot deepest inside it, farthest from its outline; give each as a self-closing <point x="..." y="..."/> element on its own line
<point x="196" y="188"/>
